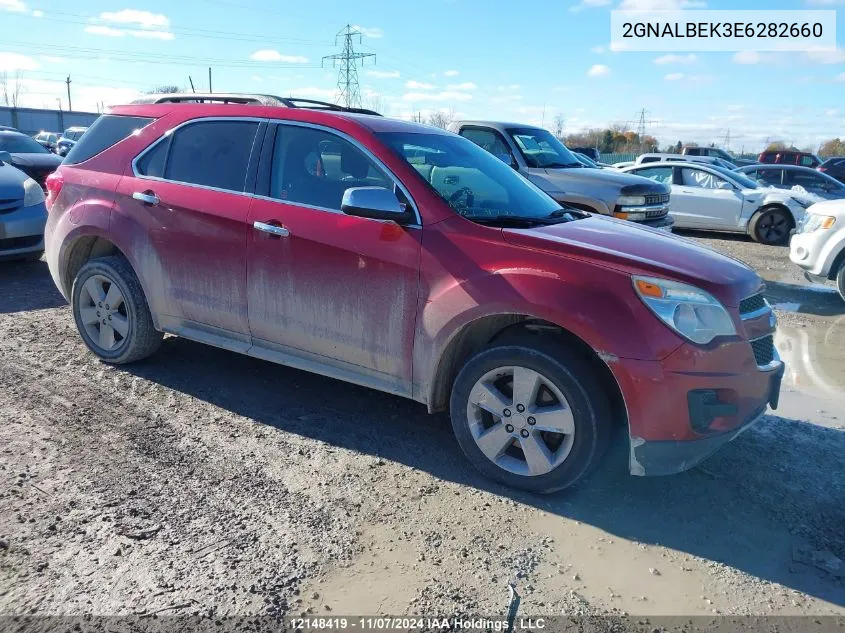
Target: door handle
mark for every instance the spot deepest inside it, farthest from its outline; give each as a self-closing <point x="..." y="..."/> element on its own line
<point x="147" y="197"/>
<point x="272" y="229"/>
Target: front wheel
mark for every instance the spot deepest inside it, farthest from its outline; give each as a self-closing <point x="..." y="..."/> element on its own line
<point x="771" y="226"/>
<point x="530" y="419"/>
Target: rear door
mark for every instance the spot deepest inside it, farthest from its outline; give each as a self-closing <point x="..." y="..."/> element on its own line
<point x="706" y="199"/>
<point x="770" y="177"/>
<point x="324" y="286"/>
<point x="189" y="196"/>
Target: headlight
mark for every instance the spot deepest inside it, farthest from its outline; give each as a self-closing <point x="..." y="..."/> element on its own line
<point x="803" y="202"/>
<point x="32" y="193"/>
<point x="693" y="313"/>
<point x="815" y="222"/>
<point x="631" y="201"/>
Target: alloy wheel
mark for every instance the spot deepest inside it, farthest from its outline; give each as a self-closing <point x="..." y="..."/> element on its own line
<point x="102" y="311"/>
<point x="774" y="228"/>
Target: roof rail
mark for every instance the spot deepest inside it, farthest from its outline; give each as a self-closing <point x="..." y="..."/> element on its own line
<point x="246" y="99"/>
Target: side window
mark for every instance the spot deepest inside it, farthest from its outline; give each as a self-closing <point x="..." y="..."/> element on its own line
<point x="315" y="168"/>
<point x="771" y="177"/>
<point x="490" y="141"/>
<point x="660" y="174"/>
<point x="210" y="153"/>
<point x="794" y="177"/>
<point x="808" y="161"/>
<point x="106" y="131"/>
<point x="649" y="159"/>
<point x="152" y="163"/>
<point x="702" y="179"/>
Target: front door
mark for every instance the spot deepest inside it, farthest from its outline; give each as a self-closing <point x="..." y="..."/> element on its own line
<point x="706" y="200"/>
<point x="331" y="288"/>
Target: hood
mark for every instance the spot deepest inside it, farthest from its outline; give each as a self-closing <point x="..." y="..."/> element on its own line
<point x="572" y="179"/>
<point x="11" y="182"/>
<point x="38" y="161"/>
<point x="829" y="207"/>
<point x="635" y="249"/>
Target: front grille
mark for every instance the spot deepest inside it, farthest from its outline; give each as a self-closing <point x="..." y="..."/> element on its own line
<point x="657" y="198"/>
<point x="752" y="304"/>
<point x="658" y="213"/>
<point x="16" y="243"/>
<point x="764" y="350"/>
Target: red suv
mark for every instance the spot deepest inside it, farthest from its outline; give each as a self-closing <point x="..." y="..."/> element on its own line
<point x="407" y="259"/>
<point x="789" y="157"/>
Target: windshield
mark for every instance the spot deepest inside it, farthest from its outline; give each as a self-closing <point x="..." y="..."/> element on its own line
<point x="744" y="181"/>
<point x="541" y="149"/>
<point x="472" y="181"/>
<point x="20" y="144"/>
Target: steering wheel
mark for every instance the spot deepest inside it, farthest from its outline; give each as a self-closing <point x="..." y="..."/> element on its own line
<point x="462" y="198"/>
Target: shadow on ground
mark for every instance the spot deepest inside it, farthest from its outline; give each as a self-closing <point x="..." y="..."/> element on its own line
<point x="26" y="285"/>
<point x="774" y="487"/>
<point x="810" y="299"/>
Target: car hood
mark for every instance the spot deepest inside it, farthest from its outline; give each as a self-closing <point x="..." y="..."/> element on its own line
<point x="11" y="182"/>
<point x="635" y="249"/>
<point x="39" y="161"/>
<point x="829" y="207"/>
<point x="571" y="179"/>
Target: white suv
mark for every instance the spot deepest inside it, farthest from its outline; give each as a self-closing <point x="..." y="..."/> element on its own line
<point x="818" y="245"/>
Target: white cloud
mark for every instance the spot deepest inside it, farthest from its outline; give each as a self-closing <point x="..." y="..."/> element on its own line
<point x="747" y="57"/>
<point x="52" y="59"/>
<point x="832" y="113"/>
<point x="13" y="5"/>
<point x="107" y="31"/>
<point x="598" y="70"/>
<point x="418" y="85"/>
<point x="37" y="14"/>
<point x="664" y="60"/>
<point x="371" y="31"/>
<point x="825" y="3"/>
<point x="467" y="85"/>
<point x="674" y="76"/>
<point x="383" y="74"/>
<point x="436" y="96"/>
<point x="153" y="35"/>
<point x="827" y="57"/>
<point x="16" y="61"/>
<point x="841" y="77"/>
<point x="451" y="73"/>
<point x="598" y="49"/>
<point x="134" y="17"/>
<point x="662" y="5"/>
<point x="272" y="55"/>
<point x="588" y="4"/>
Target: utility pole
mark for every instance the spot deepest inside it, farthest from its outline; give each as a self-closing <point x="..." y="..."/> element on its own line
<point x="210" y="91"/>
<point x="69" y="105"/>
<point x="192" y="84"/>
<point x="347" y="77"/>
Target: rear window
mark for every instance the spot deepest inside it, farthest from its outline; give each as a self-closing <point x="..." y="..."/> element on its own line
<point x="106" y="131"/>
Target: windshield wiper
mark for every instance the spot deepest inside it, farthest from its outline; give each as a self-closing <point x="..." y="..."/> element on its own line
<point x="556" y="217"/>
<point x="563" y="212"/>
<point x="560" y="165"/>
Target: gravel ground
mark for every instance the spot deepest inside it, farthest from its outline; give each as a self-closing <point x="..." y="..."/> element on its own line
<point x="201" y="482"/>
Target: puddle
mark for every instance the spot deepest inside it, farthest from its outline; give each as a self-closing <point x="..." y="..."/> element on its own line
<point x="814" y="357"/>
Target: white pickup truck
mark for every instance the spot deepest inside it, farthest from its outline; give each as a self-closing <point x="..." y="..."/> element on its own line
<point x="818" y="245"/>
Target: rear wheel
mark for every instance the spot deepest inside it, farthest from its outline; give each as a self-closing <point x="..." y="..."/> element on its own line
<point x="111" y="312"/>
<point x="771" y="226"/>
<point x="533" y="420"/>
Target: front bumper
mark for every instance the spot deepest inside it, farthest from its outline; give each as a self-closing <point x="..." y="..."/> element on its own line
<point x="666" y="433"/>
<point x="666" y="223"/>
<point x="22" y="231"/>
<point x="808" y="251"/>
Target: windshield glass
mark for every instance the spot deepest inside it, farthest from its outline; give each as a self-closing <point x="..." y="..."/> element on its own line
<point x="472" y="181"/>
<point x="541" y="149"/>
<point x="20" y="144"/>
<point x="744" y="181"/>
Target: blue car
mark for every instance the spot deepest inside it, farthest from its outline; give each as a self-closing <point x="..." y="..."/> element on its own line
<point x="23" y="213"/>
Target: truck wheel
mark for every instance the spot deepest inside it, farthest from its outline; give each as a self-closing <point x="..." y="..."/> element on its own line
<point x="111" y="312"/>
<point x="771" y="226"/>
<point x="530" y="419"/>
<point x="840" y="281"/>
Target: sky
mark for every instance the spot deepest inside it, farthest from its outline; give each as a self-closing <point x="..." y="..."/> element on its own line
<point x="489" y="59"/>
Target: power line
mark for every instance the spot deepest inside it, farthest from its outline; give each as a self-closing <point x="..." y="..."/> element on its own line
<point x="349" y="92"/>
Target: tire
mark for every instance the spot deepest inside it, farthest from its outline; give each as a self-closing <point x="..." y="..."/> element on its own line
<point x="771" y="226"/>
<point x="840" y="281"/>
<point x="134" y="336"/>
<point x="572" y="455"/>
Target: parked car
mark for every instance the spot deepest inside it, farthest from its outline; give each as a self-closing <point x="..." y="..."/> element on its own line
<point x="405" y="258"/>
<point x="29" y="156"/>
<point x="789" y="157"/>
<point x="716" y="152"/>
<point x="7" y="128"/>
<point x="710" y="197"/>
<point x="536" y="154"/>
<point x="22" y="213"/>
<point x="791" y="176"/>
<point x="656" y="157"/>
<point x="834" y="167"/>
<point x="68" y="139"/>
<point x="819" y="244"/>
<point x="47" y="140"/>
<point x="590" y="152"/>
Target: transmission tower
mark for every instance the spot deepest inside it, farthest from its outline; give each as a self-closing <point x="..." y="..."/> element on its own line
<point x="349" y="93"/>
<point x="641" y="125"/>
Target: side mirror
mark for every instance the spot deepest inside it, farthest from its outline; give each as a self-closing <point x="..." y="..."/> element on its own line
<point x="5" y="157"/>
<point x="377" y="203"/>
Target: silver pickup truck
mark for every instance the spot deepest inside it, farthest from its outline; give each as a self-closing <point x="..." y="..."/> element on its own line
<point x="539" y="156"/>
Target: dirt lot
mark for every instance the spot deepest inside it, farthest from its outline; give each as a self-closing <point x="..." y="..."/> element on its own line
<point x="205" y="482"/>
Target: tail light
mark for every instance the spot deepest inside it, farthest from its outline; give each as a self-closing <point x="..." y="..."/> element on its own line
<point x="54" y="183"/>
